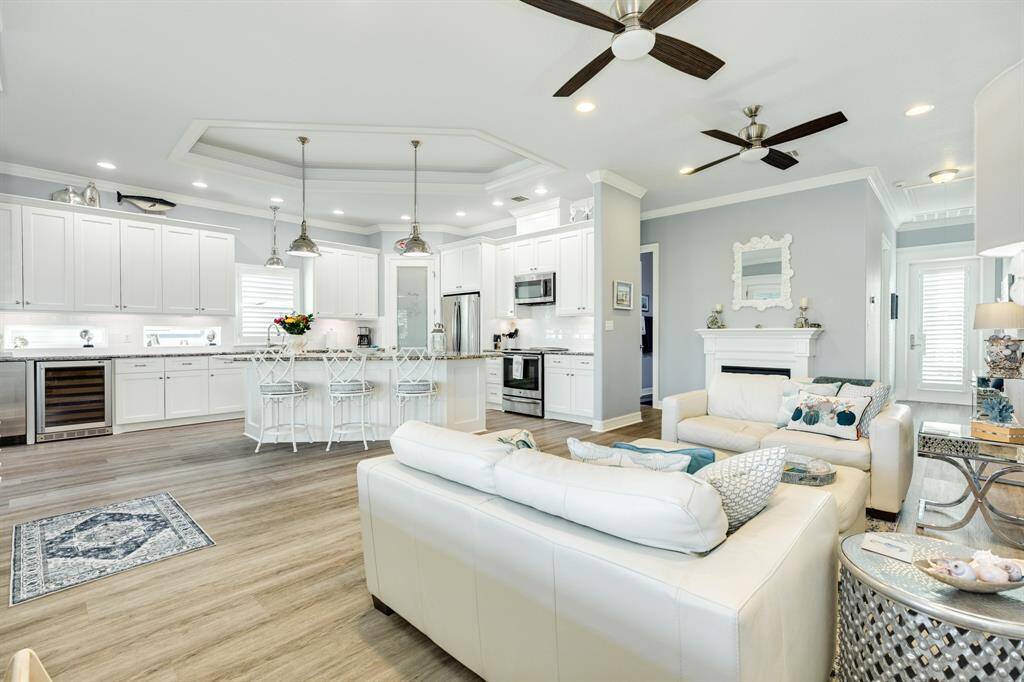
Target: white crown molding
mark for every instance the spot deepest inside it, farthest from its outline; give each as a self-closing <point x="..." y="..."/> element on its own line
<point x="912" y="225"/>
<point x="189" y="200"/>
<point x="499" y="224"/>
<point x="883" y="191"/>
<point x="617" y="181"/>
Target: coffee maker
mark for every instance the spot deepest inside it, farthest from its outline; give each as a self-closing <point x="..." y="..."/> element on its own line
<point x="363" y="337"/>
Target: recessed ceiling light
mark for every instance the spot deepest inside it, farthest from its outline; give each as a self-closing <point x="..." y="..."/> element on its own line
<point x="200" y="184"/>
<point x="943" y="175"/>
<point x="276" y="200"/>
<point x="585" y="107"/>
<point x="338" y="211"/>
<point x="540" y="189"/>
<point x="405" y="217"/>
<point x="497" y="202"/>
<point x="461" y="214"/>
<point x="106" y="164"/>
<point x="918" y="109"/>
<point x="686" y="170"/>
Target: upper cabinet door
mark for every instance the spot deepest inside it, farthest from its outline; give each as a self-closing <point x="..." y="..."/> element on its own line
<point x="567" y="284"/>
<point x="451" y="271"/>
<point x="523" y="257"/>
<point x="10" y="257"/>
<point x="327" y="283"/>
<point x="141" y="267"/>
<point x="368" y="274"/>
<point x="504" y="283"/>
<point x="545" y="254"/>
<point x="49" y="258"/>
<point x="216" y="273"/>
<point x="97" y="263"/>
<point x="471" y="259"/>
<point x="588" y="275"/>
<point x="348" y="294"/>
<point x="180" y="247"/>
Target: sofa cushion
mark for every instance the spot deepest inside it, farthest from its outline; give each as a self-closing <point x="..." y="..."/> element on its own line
<point x="734" y="435"/>
<point x="457" y="456"/>
<point x="745" y="482"/>
<point x="751" y="397"/>
<point x="851" y="453"/>
<point x="668" y="510"/>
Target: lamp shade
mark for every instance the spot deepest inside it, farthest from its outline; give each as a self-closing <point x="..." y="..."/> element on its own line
<point x="999" y="316"/>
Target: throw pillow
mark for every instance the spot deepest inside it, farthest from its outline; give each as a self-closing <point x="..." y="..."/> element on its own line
<point x="791" y="392"/>
<point x="745" y="482"/>
<point x="592" y="453"/>
<point x="879" y="394"/>
<point x="843" y="381"/>
<point x="699" y="457"/>
<point x="830" y="416"/>
<point x="520" y="440"/>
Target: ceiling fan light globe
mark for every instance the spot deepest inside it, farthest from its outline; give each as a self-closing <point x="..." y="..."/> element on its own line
<point x="753" y="154"/>
<point x="633" y="43"/>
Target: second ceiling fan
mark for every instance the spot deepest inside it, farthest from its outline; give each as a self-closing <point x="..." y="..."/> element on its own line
<point x="634" y="37"/>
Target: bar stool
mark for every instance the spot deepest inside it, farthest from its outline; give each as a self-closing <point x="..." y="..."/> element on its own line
<point x="414" y="368"/>
<point x="346" y="382"/>
<point x="275" y="376"/>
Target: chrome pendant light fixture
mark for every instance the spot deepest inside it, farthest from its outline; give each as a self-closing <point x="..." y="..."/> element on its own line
<point x="274" y="261"/>
<point x="303" y="246"/>
<point x="414" y="246"/>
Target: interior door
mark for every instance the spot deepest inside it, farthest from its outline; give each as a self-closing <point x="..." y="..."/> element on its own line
<point x="942" y="347"/>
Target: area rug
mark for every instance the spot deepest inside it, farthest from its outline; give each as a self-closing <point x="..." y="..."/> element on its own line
<point x="59" y="552"/>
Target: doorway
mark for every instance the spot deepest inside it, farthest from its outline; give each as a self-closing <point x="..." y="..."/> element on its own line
<point x="649" y="394"/>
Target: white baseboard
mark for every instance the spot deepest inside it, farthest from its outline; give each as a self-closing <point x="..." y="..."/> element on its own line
<point x="602" y="425"/>
<point x="575" y="418"/>
<point x="186" y="421"/>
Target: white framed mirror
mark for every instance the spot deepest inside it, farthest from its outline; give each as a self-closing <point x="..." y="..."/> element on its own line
<point x="761" y="273"/>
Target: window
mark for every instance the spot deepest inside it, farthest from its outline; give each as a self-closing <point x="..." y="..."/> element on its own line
<point x="944" y="327"/>
<point x="263" y="295"/>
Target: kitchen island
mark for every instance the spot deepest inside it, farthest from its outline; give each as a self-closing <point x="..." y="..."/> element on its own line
<point x="460" y="402"/>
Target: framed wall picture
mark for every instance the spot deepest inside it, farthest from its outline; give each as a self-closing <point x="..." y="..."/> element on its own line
<point x="645" y="303"/>
<point x="622" y="295"/>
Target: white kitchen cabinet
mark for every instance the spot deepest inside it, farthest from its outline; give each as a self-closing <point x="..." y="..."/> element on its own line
<point x="589" y="276"/>
<point x="48" y="243"/>
<point x="461" y="269"/>
<point x="10" y="257"/>
<point x="558" y="390"/>
<point x="345" y="284"/>
<point x="368" y="272"/>
<point x="451" y="267"/>
<point x="180" y="255"/>
<point x="186" y="394"/>
<point x="583" y="392"/>
<point x="140" y="397"/>
<point x="327" y="283"/>
<point x="536" y="255"/>
<point x="141" y="267"/>
<point x="504" y="282"/>
<point x="97" y="263"/>
<point x="575" y="280"/>
<point x="495" y="379"/>
<point x="569" y="387"/>
<point x="348" y="284"/>
<point x="227" y="390"/>
<point x="216" y="273"/>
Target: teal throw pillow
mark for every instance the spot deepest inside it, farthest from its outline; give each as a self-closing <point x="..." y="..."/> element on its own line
<point x="699" y="457"/>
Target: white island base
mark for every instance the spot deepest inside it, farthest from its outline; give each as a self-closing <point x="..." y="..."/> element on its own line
<point x="459" y="404"/>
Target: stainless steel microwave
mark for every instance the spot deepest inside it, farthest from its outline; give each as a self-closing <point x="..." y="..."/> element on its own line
<point x="536" y="288"/>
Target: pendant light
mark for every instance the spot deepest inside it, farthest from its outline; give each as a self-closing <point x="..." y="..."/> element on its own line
<point x="303" y="246"/>
<point x="414" y="246"/>
<point x="274" y="261"/>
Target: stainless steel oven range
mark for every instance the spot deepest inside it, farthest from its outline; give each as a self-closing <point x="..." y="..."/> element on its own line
<point x="522" y="385"/>
<point x="73" y="399"/>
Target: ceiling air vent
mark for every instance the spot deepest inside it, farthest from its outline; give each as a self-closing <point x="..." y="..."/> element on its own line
<point x="520" y="198"/>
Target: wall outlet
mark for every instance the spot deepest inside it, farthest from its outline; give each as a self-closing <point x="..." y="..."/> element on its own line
<point x="609" y="325"/>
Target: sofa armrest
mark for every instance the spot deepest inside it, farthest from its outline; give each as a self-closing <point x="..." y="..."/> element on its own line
<point x="676" y="408"/>
<point x="892" y="457"/>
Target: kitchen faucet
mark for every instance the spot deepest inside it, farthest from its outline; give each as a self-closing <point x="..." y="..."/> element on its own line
<point x="270" y="326"/>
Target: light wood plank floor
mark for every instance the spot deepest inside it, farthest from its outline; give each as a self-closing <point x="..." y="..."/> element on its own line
<point x="282" y="595"/>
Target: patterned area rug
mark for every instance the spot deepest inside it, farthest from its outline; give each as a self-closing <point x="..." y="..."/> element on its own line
<point x="63" y="551"/>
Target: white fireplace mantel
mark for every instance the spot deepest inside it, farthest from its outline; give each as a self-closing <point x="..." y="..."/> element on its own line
<point x="777" y="347"/>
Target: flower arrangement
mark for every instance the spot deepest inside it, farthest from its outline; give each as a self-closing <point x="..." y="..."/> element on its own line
<point x="294" y="323"/>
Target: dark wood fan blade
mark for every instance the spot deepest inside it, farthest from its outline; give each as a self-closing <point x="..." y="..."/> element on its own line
<point x="726" y="137"/>
<point x="805" y="129"/>
<point x="780" y="160"/>
<point x="685" y="57"/>
<point x="585" y="74"/>
<point x="663" y="10"/>
<point x="582" y="14"/>
<point x="713" y="163"/>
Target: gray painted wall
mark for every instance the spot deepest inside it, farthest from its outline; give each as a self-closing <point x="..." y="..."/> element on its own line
<point x="828" y="256"/>
<point x="617" y="257"/>
<point x="946" y="234"/>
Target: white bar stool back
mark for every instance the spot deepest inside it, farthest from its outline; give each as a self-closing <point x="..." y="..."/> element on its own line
<point x="414" y="369"/>
<point x="346" y="381"/>
<point x="275" y="377"/>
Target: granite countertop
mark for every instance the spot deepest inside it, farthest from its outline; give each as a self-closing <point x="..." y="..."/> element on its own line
<point x="101" y="355"/>
<point x="547" y="352"/>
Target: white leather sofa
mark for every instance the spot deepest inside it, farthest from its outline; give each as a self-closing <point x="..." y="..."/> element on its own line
<point x="517" y="594"/>
<point x="737" y="413"/>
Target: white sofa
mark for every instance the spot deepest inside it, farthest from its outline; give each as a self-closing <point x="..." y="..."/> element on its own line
<point x="517" y="594"/>
<point x="737" y="413"/>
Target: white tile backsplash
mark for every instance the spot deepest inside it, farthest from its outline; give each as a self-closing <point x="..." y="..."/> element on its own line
<point x="539" y="326"/>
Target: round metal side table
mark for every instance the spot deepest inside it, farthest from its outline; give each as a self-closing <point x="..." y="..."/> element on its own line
<point x="896" y="623"/>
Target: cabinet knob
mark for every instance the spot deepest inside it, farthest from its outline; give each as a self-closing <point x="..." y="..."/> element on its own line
<point x="27" y="303"/>
<point x="202" y="308"/>
<point x="17" y="303"/>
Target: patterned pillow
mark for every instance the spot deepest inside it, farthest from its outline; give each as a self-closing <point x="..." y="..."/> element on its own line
<point x="699" y="457"/>
<point x="843" y="380"/>
<point x="520" y="440"/>
<point x="592" y="453"/>
<point x="745" y="482"/>
<point x="791" y="392"/>
<point x="829" y="416"/>
<point x="879" y="394"/>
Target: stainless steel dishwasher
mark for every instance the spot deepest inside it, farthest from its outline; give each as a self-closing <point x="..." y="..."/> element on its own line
<point x="13" y="425"/>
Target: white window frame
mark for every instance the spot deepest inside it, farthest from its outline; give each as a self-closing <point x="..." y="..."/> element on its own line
<point x="245" y="269"/>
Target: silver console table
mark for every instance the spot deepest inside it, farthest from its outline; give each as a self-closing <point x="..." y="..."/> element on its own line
<point x="896" y="623"/>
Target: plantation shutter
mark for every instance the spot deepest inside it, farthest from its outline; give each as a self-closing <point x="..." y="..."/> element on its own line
<point x="944" y="326"/>
<point x="263" y="295"/>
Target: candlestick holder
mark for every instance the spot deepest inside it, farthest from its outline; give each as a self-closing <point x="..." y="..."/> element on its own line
<point x="802" y="322"/>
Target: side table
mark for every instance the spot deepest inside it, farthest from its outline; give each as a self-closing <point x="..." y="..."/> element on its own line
<point x="896" y="623"/>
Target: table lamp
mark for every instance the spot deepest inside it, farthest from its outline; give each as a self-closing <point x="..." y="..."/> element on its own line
<point x="1003" y="353"/>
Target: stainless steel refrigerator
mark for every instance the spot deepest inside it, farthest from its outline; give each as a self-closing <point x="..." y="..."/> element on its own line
<point x="460" y="314"/>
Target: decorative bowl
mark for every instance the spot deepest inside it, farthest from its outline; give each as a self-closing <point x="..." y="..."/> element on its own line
<point x="965" y="584"/>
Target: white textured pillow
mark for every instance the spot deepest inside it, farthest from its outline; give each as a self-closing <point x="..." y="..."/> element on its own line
<point x="879" y="394"/>
<point x="837" y="416"/>
<point x="457" y="456"/>
<point x="791" y="393"/>
<point x="670" y="511"/>
<point x="745" y="482"/>
<point x="592" y="453"/>
<point x="749" y="397"/>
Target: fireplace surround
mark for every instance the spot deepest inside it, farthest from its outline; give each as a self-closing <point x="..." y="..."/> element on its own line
<point x="786" y="351"/>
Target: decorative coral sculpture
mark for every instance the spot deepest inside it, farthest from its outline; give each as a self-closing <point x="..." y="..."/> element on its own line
<point x="999" y="410"/>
